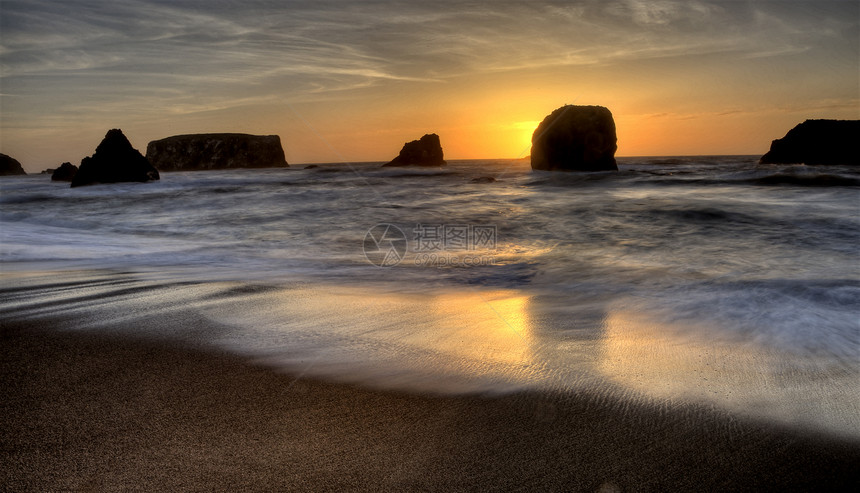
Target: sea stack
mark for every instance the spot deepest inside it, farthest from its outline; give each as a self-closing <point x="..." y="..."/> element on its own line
<point x="426" y="151"/>
<point x="575" y="138"/>
<point x="10" y="166"/>
<point x="817" y="142"/>
<point x="197" y="152"/>
<point x="66" y="172"/>
<point x="115" y="160"/>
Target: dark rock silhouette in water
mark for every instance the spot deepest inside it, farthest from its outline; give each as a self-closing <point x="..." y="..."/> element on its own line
<point x="424" y="152"/>
<point x="312" y="166"/>
<point x="10" y="166"/>
<point x="483" y="179"/>
<point x="115" y="160"/>
<point x="575" y="138"/>
<point x="216" y="151"/>
<point x="817" y="142"/>
<point x="66" y="172"/>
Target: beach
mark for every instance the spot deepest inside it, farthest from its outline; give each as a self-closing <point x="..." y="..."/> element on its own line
<point x="601" y="246"/>
<point x="101" y="411"/>
<point x="685" y="324"/>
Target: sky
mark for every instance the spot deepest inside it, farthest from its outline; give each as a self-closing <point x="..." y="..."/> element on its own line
<point x="351" y="81"/>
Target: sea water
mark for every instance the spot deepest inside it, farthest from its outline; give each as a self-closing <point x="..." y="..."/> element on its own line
<point x="712" y="280"/>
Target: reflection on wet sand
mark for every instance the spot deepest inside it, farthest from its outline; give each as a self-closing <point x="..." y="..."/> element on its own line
<point x="448" y="341"/>
<point x="488" y="326"/>
<point x="672" y="363"/>
<point x="502" y="340"/>
<point x="476" y="340"/>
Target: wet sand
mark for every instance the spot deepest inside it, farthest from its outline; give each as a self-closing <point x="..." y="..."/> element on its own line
<point x="100" y="412"/>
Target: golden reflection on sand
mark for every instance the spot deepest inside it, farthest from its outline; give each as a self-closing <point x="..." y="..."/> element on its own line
<point x="650" y="357"/>
<point x="485" y="325"/>
<point x="687" y="363"/>
<point x="470" y="333"/>
<point x="479" y="340"/>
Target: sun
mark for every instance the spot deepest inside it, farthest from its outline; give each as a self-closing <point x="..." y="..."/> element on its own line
<point x="518" y="138"/>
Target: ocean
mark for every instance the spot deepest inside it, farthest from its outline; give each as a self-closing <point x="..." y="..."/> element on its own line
<point x="707" y="280"/>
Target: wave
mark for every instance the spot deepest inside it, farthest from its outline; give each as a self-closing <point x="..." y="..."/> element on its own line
<point x="818" y="180"/>
<point x="759" y="178"/>
<point x="705" y="215"/>
<point x="18" y="199"/>
<point x="554" y="178"/>
<point x="417" y="174"/>
<point x="800" y="315"/>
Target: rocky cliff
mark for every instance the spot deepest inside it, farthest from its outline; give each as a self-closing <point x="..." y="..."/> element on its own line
<point x="817" y="142"/>
<point x="216" y="151"/>
<point x="575" y="138"/>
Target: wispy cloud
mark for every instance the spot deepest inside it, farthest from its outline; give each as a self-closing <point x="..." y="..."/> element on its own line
<point x="391" y="40"/>
<point x="141" y="57"/>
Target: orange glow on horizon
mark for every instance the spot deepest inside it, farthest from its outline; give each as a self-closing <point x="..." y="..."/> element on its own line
<point x="497" y="126"/>
<point x="489" y="141"/>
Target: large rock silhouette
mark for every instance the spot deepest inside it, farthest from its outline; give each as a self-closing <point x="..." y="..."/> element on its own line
<point x="575" y="138"/>
<point x="10" y="166"/>
<point x="817" y="142"/>
<point x="426" y="151"/>
<point x="115" y="160"/>
<point x="216" y="151"/>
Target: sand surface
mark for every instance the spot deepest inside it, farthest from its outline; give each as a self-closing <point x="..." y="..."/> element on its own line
<point x="100" y="412"/>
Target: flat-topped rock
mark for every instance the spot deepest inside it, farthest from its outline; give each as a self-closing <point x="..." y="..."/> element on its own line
<point x="114" y="161"/>
<point x="216" y="151"/>
<point x="10" y="166"/>
<point x="427" y="151"/>
<point x="817" y="142"/>
<point x="575" y="138"/>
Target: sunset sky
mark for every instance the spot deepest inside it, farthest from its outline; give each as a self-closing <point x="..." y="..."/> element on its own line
<point x="354" y="80"/>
